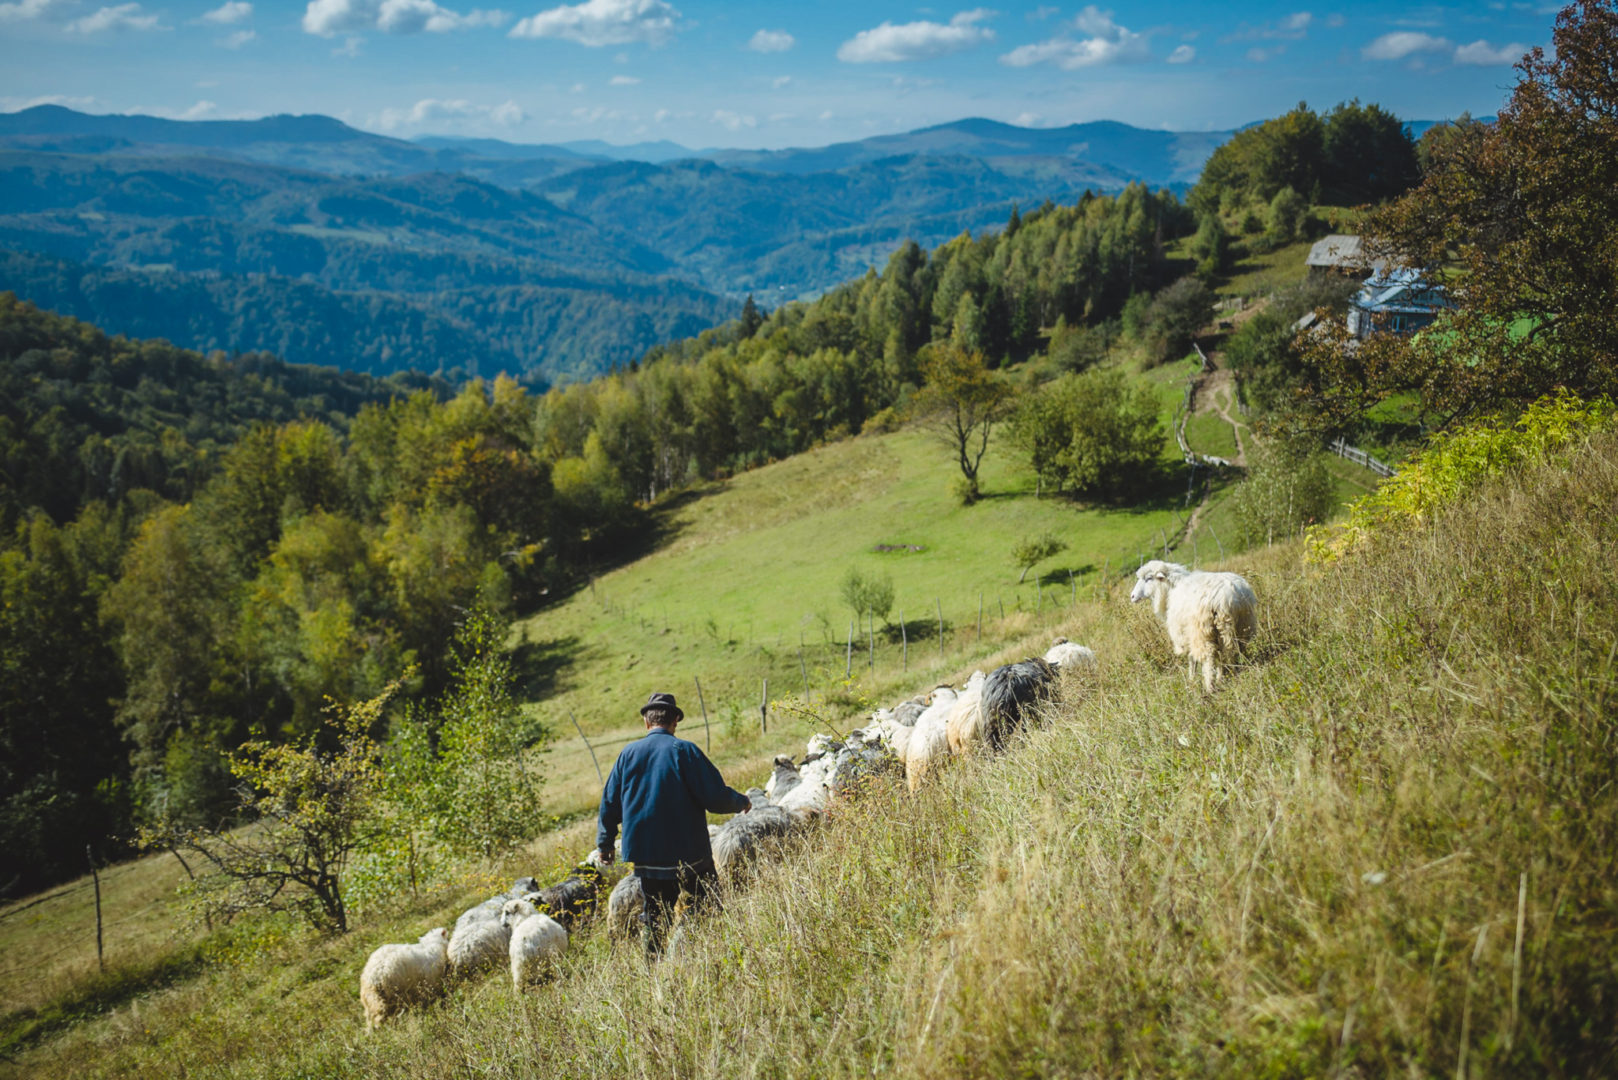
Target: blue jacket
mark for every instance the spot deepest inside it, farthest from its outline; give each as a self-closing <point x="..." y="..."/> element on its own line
<point x="659" y="789"/>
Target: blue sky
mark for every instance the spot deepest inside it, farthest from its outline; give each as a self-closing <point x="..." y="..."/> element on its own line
<point x="759" y="74"/>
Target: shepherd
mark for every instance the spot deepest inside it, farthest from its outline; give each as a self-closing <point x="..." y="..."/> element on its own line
<point x="660" y="790"/>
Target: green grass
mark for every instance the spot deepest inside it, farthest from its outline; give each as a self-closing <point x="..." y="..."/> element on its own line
<point x="1384" y="846"/>
<point x="1209" y="433"/>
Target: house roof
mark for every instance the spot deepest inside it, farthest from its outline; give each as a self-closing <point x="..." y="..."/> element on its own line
<point x="1341" y="251"/>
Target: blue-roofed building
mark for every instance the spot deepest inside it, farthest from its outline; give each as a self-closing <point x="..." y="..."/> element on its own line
<point x="1399" y="301"/>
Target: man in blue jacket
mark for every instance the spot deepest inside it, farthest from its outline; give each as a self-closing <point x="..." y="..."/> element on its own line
<point x="660" y="789"/>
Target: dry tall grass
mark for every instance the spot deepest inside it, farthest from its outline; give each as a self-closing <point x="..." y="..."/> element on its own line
<point x="1386" y="847"/>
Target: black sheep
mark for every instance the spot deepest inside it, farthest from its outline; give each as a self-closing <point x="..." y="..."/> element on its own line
<point x="1009" y="693"/>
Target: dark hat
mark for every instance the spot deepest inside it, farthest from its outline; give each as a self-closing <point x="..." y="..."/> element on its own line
<point x="661" y="700"/>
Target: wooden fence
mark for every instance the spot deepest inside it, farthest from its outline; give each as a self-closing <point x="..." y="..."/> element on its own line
<point x="1360" y="457"/>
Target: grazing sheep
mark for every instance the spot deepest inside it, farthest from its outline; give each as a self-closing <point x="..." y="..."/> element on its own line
<point x="624" y="907"/>
<point x="1209" y="615"/>
<point x="536" y="941"/>
<point x="855" y="763"/>
<point x="479" y="940"/>
<point x="745" y="837"/>
<point x="929" y="739"/>
<point x="783" y="778"/>
<point x="1069" y="656"/>
<point x="572" y="898"/>
<point x="812" y="792"/>
<point x="1010" y="694"/>
<point x="399" y="975"/>
<point x="908" y="712"/>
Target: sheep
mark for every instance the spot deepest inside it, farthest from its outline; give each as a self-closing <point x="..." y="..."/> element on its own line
<point x="479" y="940"/>
<point x="536" y="940"/>
<point x="1209" y="615"/>
<point x="746" y="836"/>
<point x="929" y="738"/>
<point x="1009" y="695"/>
<point x="572" y="898"/>
<point x="812" y="792"/>
<point x="1066" y="655"/>
<point x="399" y="975"/>
<point x="624" y="907"/>
<point x="783" y="778"/>
<point x="908" y="712"/>
<point x="855" y="763"/>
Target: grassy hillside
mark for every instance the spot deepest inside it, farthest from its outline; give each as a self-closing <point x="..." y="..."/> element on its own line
<point x="1384" y="847"/>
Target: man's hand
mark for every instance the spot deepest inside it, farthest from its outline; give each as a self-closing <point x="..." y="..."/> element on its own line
<point x="746" y="808"/>
<point x="606" y="854"/>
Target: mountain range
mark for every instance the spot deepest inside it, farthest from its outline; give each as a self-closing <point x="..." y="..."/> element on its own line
<point x="555" y="261"/>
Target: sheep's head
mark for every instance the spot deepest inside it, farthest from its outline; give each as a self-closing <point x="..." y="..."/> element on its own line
<point x="1154" y="580"/>
<point x="436" y="936"/>
<point x="516" y="911"/>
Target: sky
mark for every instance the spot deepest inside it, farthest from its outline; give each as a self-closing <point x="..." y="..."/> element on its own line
<point x="763" y="74"/>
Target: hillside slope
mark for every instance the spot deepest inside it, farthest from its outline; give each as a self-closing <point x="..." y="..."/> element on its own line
<point x="1384" y="848"/>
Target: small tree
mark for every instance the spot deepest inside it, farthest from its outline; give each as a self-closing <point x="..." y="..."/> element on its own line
<point x="309" y="809"/>
<point x="1210" y="246"/>
<point x="1034" y="549"/>
<point x="1287" y="488"/>
<point x="870" y="597"/>
<point x="961" y="403"/>
<point x="1285" y="215"/>
<point x="1175" y="316"/>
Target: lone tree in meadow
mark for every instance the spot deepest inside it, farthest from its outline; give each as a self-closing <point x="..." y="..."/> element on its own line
<point x="961" y="403"/>
<point x="870" y="596"/>
<point x="1034" y="549"/>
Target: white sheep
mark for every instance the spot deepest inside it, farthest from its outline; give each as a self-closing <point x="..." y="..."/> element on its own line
<point x="1070" y="656"/>
<point x="929" y="739"/>
<point x="536" y="941"/>
<point x="813" y="790"/>
<point x="624" y="906"/>
<point x="964" y="727"/>
<point x="1209" y="615"/>
<point x="399" y="975"/>
<point x="745" y="837"/>
<point x="479" y="940"/>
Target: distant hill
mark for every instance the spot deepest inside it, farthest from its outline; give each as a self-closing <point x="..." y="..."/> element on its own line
<point x="558" y="259"/>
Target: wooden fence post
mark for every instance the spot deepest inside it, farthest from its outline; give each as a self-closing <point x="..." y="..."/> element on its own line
<point x="848" y="661"/>
<point x="764" y="708"/>
<point x="940" y="604"/>
<point x="590" y="748"/>
<point x="803" y="667"/>
<point x="707" y="739"/>
<point x="1073" y="591"/>
<point x="904" y="640"/>
<point x="980" y="617"/>
<point x="95" y="876"/>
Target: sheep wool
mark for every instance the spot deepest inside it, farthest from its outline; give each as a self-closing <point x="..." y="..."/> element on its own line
<point x="624" y="906"/>
<point x="745" y="837"/>
<point x="929" y="739"/>
<point x="397" y="976"/>
<point x="1069" y="656"/>
<point x="1209" y="615"/>
<point x="536" y="941"/>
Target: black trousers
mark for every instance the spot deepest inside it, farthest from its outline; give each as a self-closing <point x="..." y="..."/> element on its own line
<point x="662" y="894"/>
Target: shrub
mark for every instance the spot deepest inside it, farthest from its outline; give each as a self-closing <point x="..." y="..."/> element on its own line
<point x="870" y="596"/>
<point x="1286" y="489"/>
<point x="1456" y="462"/>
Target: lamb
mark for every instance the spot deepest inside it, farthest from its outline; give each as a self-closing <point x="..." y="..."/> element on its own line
<point x="479" y="940"/>
<point x="746" y="836"/>
<point x="624" y="907"/>
<point x="1209" y="615"/>
<point x="1069" y="656"/>
<point x="399" y="975"/>
<point x="536" y="941"/>
<point x="929" y="739"/>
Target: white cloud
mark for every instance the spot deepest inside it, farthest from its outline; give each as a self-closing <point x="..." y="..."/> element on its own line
<point x="428" y="110"/>
<point x="623" y="80"/>
<point x="197" y="111"/>
<point x="29" y="9"/>
<point x="780" y="81"/>
<point x="328" y="17"/>
<point x="1028" y="119"/>
<point x="1182" y="54"/>
<point x="230" y="13"/>
<point x="237" y="39"/>
<point x="122" y="17"/>
<point x="826" y="115"/>
<point x="349" y="48"/>
<point x="1288" y="28"/>
<point x="1480" y="54"/>
<point x="1259" y="56"/>
<point x="733" y="121"/>
<point x="916" y="41"/>
<point x="1108" y="42"/>
<point x="1043" y="12"/>
<point x="1334" y="20"/>
<point x="604" y="22"/>
<point x="577" y="88"/>
<point x="1403" y="43"/>
<point x="768" y="41"/>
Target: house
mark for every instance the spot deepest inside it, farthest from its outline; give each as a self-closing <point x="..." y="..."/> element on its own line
<point x="1398" y="301"/>
<point x="1340" y="254"/>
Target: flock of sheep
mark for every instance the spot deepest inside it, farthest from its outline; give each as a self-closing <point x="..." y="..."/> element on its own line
<point x="1209" y="616"/>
